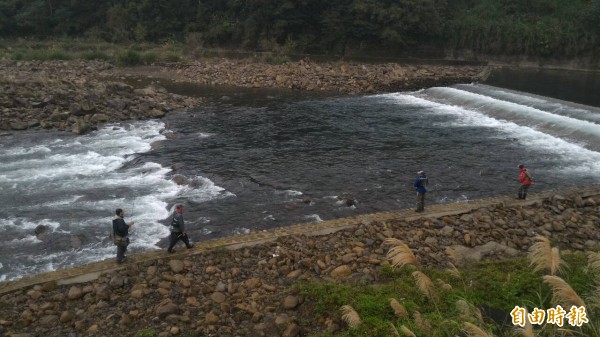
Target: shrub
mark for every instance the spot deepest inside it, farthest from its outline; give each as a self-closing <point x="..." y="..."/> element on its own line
<point x="95" y="55"/>
<point x="171" y="57"/>
<point x="129" y="58"/>
<point x="149" y="57"/>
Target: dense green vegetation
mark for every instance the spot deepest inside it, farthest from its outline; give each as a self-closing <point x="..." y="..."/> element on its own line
<point x="559" y="28"/>
<point x="68" y="48"/>
<point x="501" y="285"/>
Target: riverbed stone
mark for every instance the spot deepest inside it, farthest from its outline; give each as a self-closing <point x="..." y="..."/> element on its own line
<point x="341" y="271"/>
<point x="176" y="266"/>
<point x="290" y="302"/>
<point x="74" y="293"/>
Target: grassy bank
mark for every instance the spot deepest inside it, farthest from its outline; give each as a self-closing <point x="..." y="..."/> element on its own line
<point x="475" y="300"/>
<point x="122" y="54"/>
<point x="478" y="296"/>
<point x="69" y="49"/>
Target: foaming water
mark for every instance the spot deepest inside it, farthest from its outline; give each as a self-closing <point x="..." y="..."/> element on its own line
<point x="59" y="198"/>
<point x="255" y="163"/>
<point x="571" y="124"/>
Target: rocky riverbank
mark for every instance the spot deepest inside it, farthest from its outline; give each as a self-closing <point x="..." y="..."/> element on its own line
<point x="249" y="291"/>
<point x="338" y="77"/>
<point x="79" y="95"/>
<point x="70" y="95"/>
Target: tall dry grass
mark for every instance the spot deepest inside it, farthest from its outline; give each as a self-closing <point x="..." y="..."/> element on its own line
<point x="350" y="316"/>
<point x="425" y="285"/>
<point x="473" y="330"/>
<point x="407" y="332"/>
<point x="562" y="293"/>
<point x="467" y="310"/>
<point x="400" y="254"/>
<point x="399" y="309"/>
<point x="545" y="257"/>
<point x="422" y="323"/>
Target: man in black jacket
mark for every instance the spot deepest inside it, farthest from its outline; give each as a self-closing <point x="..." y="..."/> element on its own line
<point x="121" y="234"/>
<point x="178" y="230"/>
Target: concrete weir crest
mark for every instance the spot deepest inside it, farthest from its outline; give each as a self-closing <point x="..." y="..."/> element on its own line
<point x="92" y="271"/>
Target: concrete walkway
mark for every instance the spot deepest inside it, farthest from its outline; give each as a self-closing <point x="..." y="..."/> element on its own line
<point x="92" y="271"/>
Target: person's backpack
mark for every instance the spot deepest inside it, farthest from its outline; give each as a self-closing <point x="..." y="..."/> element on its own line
<point x="175" y="222"/>
<point x="529" y="176"/>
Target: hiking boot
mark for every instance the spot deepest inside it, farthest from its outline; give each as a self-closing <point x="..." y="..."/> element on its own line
<point x="190" y="246"/>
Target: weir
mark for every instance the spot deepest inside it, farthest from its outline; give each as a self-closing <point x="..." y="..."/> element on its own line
<point x="564" y="120"/>
<point x="92" y="271"/>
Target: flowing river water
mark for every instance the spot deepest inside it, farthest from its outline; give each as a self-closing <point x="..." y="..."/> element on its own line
<point x="257" y="159"/>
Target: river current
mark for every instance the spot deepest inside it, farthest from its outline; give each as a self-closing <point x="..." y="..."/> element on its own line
<point x="264" y="159"/>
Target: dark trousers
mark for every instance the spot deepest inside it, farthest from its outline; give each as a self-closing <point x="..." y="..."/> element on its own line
<point x="523" y="191"/>
<point x="121" y="250"/>
<point x="420" y="202"/>
<point x="176" y="236"/>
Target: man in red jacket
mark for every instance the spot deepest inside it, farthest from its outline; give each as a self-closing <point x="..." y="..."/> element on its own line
<point x="525" y="180"/>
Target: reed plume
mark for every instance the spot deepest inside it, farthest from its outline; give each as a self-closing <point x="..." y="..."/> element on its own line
<point x="350" y="316"/>
<point x="473" y="330"/>
<point x="400" y="254"/>
<point x="422" y="323"/>
<point x="594" y="261"/>
<point x="544" y="256"/>
<point x="425" y="285"/>
<point x="527" y="330"/>
<point x="394" y="330"/>
<point x="399" y="309"/>
<point x="407" y="332"/>
<point x="468" y="310"/>
<point x="443" y="284"/>
<point x="562" y="293"/>
<point x="453" y="271"/>
<point x="594" y="297"/>
<point x="453" y="254"/>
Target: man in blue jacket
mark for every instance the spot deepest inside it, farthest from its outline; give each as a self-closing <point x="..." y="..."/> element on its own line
<point x="419" y="185"/>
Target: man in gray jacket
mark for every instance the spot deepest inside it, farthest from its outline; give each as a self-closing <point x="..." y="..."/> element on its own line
<point x="178" y="230"/>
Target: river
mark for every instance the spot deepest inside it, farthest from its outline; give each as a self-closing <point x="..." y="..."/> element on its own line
<point x="257" y="159"/>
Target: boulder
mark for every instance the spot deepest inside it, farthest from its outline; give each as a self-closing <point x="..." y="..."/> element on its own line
<point x="66" y="316"/>
<point x="49" y="286"/>
<point x="176" y="266"/>
<point x="156" y="113"/>
<point x="99" y="118"/>
<point x="166" y="308"/>
<point x="341" y="271"/>
<point x="40" y="229"/>
<point x="290" y="302"/>
<point x="116" y="281"/>
<point x="74" y="293"/>
<point x="211" y="318"/>
<point x="137" y="294"/>
<point x="218" y="297"/>
<point x="18" y="125"/>
<point x="252" y="283"/>
<point x="292" y="330"/>
<point x="59" y="116"/>
<point x="81" y="127"/>
<point x="33" y="123"/>
<point x="48" y="320"/>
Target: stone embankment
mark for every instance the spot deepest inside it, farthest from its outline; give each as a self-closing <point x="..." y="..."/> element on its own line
<point x="79" y="95"/>
<point x="243" y="286"/>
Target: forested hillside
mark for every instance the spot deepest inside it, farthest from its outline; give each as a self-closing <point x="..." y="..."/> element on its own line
<point x="556" y="28"/>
